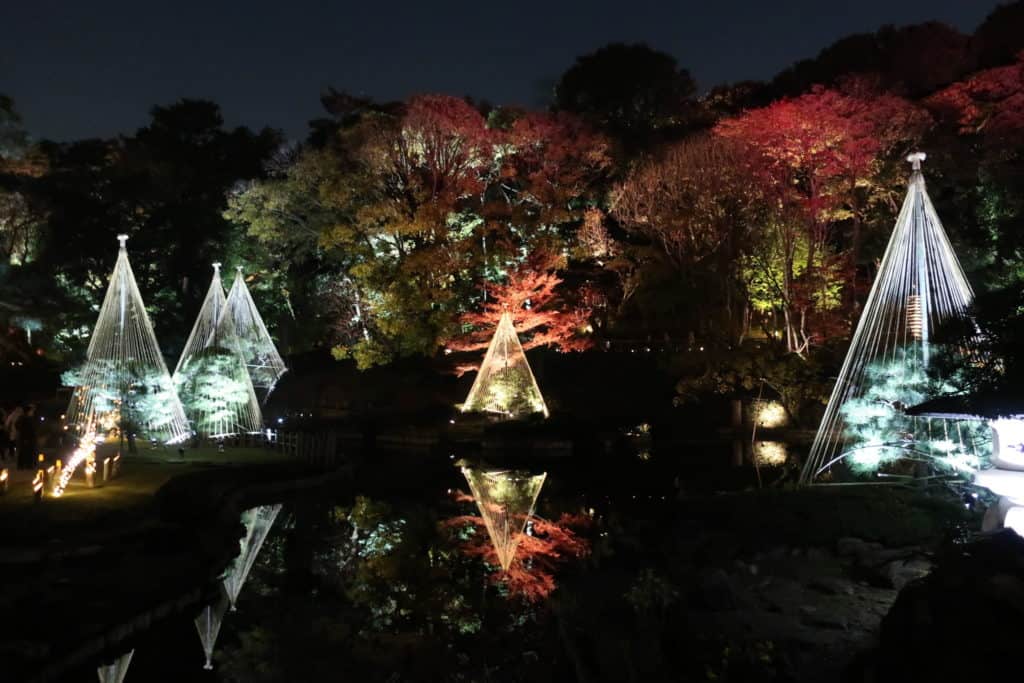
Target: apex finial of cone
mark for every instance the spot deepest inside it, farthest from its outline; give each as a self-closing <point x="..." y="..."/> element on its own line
<point x="915" y="160"/>
<point x="238" y="269"/>
<point x="216" y="266"/>
<point x="122" y="238"/>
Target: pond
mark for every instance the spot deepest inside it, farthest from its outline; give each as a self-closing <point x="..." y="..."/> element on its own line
<point x="399" y="580"/>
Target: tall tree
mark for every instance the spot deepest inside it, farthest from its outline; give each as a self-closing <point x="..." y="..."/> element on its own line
<point x="637" y="94"/>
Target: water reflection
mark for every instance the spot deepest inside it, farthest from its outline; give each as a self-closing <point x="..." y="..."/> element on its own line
<point x="116" y="670"/>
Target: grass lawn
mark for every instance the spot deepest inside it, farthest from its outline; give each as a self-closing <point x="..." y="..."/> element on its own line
<point x="119" y="501"/>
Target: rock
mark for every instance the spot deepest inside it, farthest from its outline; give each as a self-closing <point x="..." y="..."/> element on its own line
<point x="833" y="621"/>
<point x="849" y="546"/>
<point x="901" y="572"/>
<point x="962" y="621"/>
<point x="831" y="586"/>
<point x="716" y="591"/>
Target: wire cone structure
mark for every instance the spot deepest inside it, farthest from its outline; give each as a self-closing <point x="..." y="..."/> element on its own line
<point x="261" y="356"/>
<point x="208" y="625"/>
<point x="116" y="670"/>
<point x="257" y="521"/>
<point x="506" y="501"/>
<point x="505" y="384"/>
<point x="211" y="377"/>
<point x="124" y="381"/>
<point x="920" y="286"/>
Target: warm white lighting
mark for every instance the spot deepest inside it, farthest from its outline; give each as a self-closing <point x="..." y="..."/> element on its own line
<point x="1008" y="443"/>
<point x="771" y="453"/>
<point x="505" y="385"/>
<point x="769" y="414"/>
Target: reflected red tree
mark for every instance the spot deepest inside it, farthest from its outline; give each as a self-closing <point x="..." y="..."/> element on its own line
<point x="548" y="547"/>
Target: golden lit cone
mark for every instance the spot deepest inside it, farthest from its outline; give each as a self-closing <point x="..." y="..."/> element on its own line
<point x="506" y="501"/>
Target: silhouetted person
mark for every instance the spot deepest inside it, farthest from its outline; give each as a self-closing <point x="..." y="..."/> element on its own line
<point x="26" y="438"/>
<point x="11" y="429"/>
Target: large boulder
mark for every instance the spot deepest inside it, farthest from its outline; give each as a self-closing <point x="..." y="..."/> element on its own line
<point x="964" y="620"/>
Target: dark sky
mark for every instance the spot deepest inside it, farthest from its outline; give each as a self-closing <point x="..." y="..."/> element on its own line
<point x="84" y="68"/>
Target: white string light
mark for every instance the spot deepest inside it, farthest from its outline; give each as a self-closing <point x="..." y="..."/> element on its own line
<point x="505" y="384"/>
<point x="919" y="285"/>
<point x="124" y="364"/>
<point x="211" y="375"/>
<point x="261" y="356"/>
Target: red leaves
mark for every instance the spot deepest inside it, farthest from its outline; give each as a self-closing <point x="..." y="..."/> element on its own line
<point x="990" y="103"/>
<point x="540" y="315"/>
<point x="538" y="557"/>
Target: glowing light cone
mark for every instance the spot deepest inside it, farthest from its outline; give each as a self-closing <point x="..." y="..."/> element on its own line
<point x="919" y="286"/>
<point x="505" y="384"/>
<point x="124" y="379"/>
<point x="262" y="359"/>
<point x="506" y="501"/>
<point x="116" y="670"/>
<point x="211" y="377"/>
<point x="257" y="523"/>
<point x="208" y="625"/>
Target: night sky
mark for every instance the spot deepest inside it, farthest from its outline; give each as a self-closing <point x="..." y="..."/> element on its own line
<point x="78" y="69"/>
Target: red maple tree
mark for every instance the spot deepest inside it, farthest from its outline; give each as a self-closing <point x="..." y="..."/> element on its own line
<point x="540" y="554"/>
<point x="989" y="103"/>
<point x="541" y="315"/>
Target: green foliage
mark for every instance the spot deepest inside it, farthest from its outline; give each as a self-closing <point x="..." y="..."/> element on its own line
<point x="878" y="432"/>
<point x="122" y="395"/>
<point x="214" y="387"/>
<point x="799" y="383"/>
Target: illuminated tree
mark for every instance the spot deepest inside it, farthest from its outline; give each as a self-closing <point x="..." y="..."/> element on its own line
<point x="541" y="314"/>
<point x="212" y="376"/>
<point x="697" y="204"/>
<point x="817" y="153"/>
<point x="262" y="359"/>
<point x="116" y="670"/>
<point x="919" y="287"/>
<point x="257" y="522"/>
<point x="124" y="361"/>
<point x="539" y="555"/>
<point x="504" y="384"/>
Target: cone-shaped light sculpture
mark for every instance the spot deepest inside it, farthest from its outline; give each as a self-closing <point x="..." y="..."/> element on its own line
<point x="505" y="385"/>
<point x="124" y="382"/>
<point x="211" y="376"/>
<point x="919" y="286"/>
<point x="261" y="356"/>
<point x="506" y="501"/>
<point x="257" y="522"/>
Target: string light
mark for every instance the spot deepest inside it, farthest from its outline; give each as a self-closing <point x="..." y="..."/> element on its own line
<point x="211" y="374"/>
<point x="261" y="356"/>
<point x="920" y="284"/>
<point x="505" y="384"/>
<point x="124" y="358"/>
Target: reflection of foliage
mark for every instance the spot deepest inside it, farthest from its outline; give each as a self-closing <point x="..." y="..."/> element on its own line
<point x="213" y="387"/>
<point x="540" y="555"/>
<point x="651" y="593"/>
<point x="879" y="432"/>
